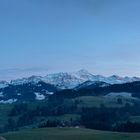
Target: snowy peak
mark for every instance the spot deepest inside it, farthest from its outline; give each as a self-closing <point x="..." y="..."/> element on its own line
<point x="62" y="80"/>
<point x="83" y="75"/>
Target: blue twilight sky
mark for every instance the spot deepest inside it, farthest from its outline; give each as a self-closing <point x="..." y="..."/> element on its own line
<point x="40" y="36"/>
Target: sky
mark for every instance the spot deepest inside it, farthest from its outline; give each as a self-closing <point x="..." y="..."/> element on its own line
<point x="44" y="36"/>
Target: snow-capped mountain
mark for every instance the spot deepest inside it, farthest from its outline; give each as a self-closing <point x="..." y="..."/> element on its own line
<point x="65" y="80"/>
<point x="39" y="88"/>
<point x="62" y="80"/>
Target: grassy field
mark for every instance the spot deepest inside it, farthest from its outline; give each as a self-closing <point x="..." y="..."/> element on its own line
<point x="69" y="134"/>
<point x="96" y="101"/>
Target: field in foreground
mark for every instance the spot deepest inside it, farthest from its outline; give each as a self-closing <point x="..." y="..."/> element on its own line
<point x="69" y="134"/>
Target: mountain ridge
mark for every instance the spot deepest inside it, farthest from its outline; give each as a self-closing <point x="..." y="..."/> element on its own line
<point x="69" y="80"/>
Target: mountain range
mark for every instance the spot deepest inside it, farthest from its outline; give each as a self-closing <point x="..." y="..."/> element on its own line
<point x="39" y="88"/>
<point x="65" y="80"/>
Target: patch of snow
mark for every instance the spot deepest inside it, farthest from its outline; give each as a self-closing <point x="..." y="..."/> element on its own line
<point x="39" y="85"/>
<point x="1" y="94"/>
<point x="105" y="85"/>
<point x="119" y="94"/>
<point x="9" y="101"/>
<point x="50" y="93"/>
<point x="39" y="96"/>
